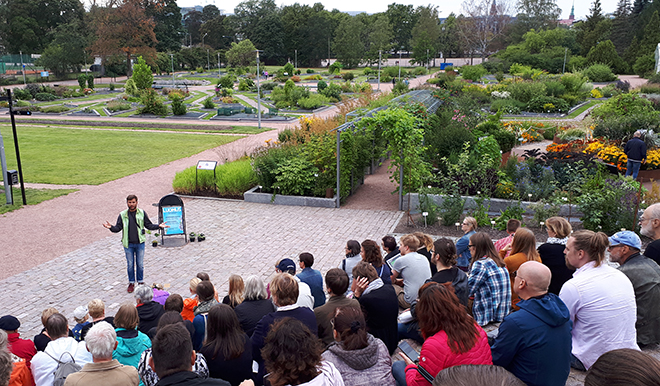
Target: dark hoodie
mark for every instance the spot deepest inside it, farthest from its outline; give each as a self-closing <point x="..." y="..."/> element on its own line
<point x="149" y="313"/>
<point x="534" y="343"/>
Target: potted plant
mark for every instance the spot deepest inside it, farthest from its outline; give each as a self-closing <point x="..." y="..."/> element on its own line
<point x="192" y="236"/>
<point x="154" y="243"/>
<point x="201" y="237"/>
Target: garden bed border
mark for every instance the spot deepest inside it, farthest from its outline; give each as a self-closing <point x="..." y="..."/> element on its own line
<point x="267" y="198"/>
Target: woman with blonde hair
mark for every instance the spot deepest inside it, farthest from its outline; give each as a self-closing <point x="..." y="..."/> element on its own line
<point x="552" y="252"/>
<point x="236" y="291"/>
<point x="469" y="227"/>
<point x="523" y="248"/>
<point x="426" y="248"/>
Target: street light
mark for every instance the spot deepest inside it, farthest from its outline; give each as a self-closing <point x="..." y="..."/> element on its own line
<point x="172" y="57"/>
<point x="296" y="60"/>
<point x="208" y="63"/>
<point x="258" y="93"/>
<point x="427" y="60"/>
<point x="202" y="38"/>
<point x="22" y="67"/>
<point x="218" y="65"/>
<point x="400" y="51"/>
<point x="380" y="52"/>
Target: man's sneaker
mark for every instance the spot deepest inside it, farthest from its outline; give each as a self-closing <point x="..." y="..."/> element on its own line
<point x="130" y="288"/>
<point x="141" y="283"/>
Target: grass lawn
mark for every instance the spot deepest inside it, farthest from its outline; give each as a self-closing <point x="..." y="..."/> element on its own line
<point x="583" y="109"/>
<point x="32" y="196"/>
<point x="54" y="155"/>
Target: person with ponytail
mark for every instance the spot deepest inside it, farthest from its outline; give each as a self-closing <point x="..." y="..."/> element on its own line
<point x="361" y="359"/>
<point x="600" y="299"/>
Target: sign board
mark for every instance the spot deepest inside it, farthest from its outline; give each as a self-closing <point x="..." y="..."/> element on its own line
<point x="206" y="165"/>
<point x="173" y="216"/>
<point x="44" y="74"/>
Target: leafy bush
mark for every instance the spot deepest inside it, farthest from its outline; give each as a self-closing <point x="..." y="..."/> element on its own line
<point x="524" y="91"/>
<point x="599" y="73"/>
<point x="82" y="81"/>
<point x="473" y="73"/>
<point x="451" y="209"/>
<point x="152" y="103"/>
<point x="313" y="101"/>
<point x="442" y="140"/>
<point x="554" y="88"/>
<point x="19" y="103"/>
<point x="576" y="63"/>
<point x="90" y="81"/>
<point x="268" y="86"/>
<point x="608" y="204"/>
<point x="245" y="84"/>
<point x="43" y="96"/>
<point x="130" y="88"/>
<point x="226" y="81"/>
<point x="543" y="104"/>
<point x="419" y="71"/>
<point x="332" y="92"/>
<point x="295" y="176"/>
<point x="111" y="87"/>
<point x="618" y="127"/>
<point x="507" y="106"/>
<point x="314" y="77"/>
<point x="650" y="88"/>
<point x="142" y="74"/>
<point x="309" y="71"/>
<point x="21" y="93"/>
<point x="573" y="82"/>
<point x="623" y="105"/>
<point x="400" y="88"/>
<point x="55" y="109"/>
<point x="348" y="76"/>
<point x="34" y="89"/>
<point x="288" y="69"/>
<point x="335" y="67"/>
<point x="234" y="178"/>
<point x="295" y="78"/>
<point x="392" y="71"/>
<point x="488" y="149"/>
<point x="115" y="106"/>
<point x="385" y="78"/>
<point x="505" y="139"/>
<point x="321" y="85"/>
<point x="208" y="103"/>
<point x="178" y="108"/>
<point x="644" y="65"/>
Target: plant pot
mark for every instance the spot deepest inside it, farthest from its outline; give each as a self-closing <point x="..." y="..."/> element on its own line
<point x="154" y="244"/>
<point x="201" y="238"/>
<point x="192" y="239"/>
<point x="329" y="193"/>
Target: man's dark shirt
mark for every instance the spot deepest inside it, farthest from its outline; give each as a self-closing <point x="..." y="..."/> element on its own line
<point x="652" y="251"/>
<point x="635" y="149"/>
<point x="188" y="378"/>
<point x="133" y="237"/>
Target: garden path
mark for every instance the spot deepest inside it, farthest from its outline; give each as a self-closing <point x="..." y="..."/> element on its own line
<point x="376" y="192"/>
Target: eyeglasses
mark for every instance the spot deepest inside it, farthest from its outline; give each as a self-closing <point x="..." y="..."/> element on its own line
<point x="470" y="246"/>
<point x="615" y="246"/>
<point x="514" y="274"/>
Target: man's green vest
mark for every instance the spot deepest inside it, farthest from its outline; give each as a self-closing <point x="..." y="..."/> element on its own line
<point x="139" y="218"/>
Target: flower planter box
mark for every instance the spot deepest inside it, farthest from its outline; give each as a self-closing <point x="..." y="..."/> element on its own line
<point x="648" y="175"/>
<point x="255" y="195"/>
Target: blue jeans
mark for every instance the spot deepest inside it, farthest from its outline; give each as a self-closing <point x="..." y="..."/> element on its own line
<point x="577" y="364"/>
<point x="135" y="255"/>
<point x="632" y="168"/>
<point x="404" y="333"/>
<point x="399" y="372"/>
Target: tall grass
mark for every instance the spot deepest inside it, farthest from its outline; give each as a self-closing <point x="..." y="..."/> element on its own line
<point x="233" y="179"/>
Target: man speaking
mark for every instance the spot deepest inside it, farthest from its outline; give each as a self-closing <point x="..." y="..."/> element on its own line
<point x="132" y="222"/>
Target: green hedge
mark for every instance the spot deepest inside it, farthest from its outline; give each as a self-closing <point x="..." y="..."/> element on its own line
<point x="233" y="179"/>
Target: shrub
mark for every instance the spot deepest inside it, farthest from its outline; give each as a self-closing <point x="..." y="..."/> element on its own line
<point x="82" y="81"/>
<point x="295" y="176"/>
<point x="624" y="85"/>
<point x="367" y="71"/>
<point x="115" y="106"/>
<point x="332" y="92"/>
<point x="20" y="93"/>
<point x="234" y="178"/>
<point x="392" y="72"/>
<point x="644" y="65"/>
<point x="618" y="127"/>
<point x="544" y="104"/>
<point x="142" y="74"/>
<point x="385" y="78"/>
<point x="599" y="73"/>
<point x="505" y="139"/>
<point x="268" y="86"/>
<point x="245" y="84"/>
<point x="44" y="96"/>
<point x="208" y="103"/>
<point x="130" y="88"/>
<point x="400" y="88"/>
<point x="34" y="89"/>
<point x="348" y="76"/>
<point x="488" y="149"/>
<point x="321" y="85"/>
<point x="442" y="141"/>
<point x="499" y="76"/>
<point x="623" y="105"/>
<point x="111" y="87"/>
<point x="90" y="81"/>
<point x="313" y="101"/>
<point x="178" y="107"/>
<point x="225" y="92"/>
<point x="573" y="82"/>
<point x="451" y="209"/>
<point x="335" y="68"/>
<point x="54" y="109"/>
<point x="525" y="91"/>
<point x="288" y="69"/>
<point x="473" y="73"/>
<point x="152" y="103"/>
<point x="576" y="63"/>
<point x="295" y="78"/>
<point x="226" y="81"/>
<point x="650" y="88"/>
<point x="419" y="71"/>
<point x="309" y="71"/>
<point x="609" y="204"/>
<point x="314" y="77"/>
<point x="554" y="88"/>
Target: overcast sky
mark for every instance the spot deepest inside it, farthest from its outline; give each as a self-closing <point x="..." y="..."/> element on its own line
<point x="374" y="6"/>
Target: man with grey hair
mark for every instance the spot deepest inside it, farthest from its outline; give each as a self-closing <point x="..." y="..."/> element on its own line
<point x="649" y="225"/>
<point x="644" y="274"/>
<point x="635" y="150"/>
<point x="101" y="341"/>
<point x="149" y="311"/>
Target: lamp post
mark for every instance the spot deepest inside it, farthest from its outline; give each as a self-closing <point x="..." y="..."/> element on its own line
<point x="258" y="93"/>
<point x="208" y="63"/>
<point x="203" y="38"/>
<point x="218" y="65"/>
<point x="296" y="59"/>
<point x="380" y="52"/>
<point x="172" y="57"/>
<point x="563" y="69"/>
<point x="427" y="60"/>
<point x="400" y="51"/>
<point x="22" y="67"/>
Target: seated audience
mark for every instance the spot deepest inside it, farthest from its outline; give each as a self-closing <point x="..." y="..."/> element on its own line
<point x="644" y="274"/>
<point x="488" y="281"/>
<point x="361" y="359"/>
<point x="190" y="303"/>
<point x="379" y="304"/>
<point x="14" y="371"/>
<point x="103" y="370"/>
<point x="451" y="336"/>
<point x="352" y="250"/>
<point x="255" y="305"/>
<point x="390" y="247"/>
<point x="228" y="351"/>
<point x="426" y="248"/>
<point x="173" y="366"/>
<point x="469" y="227"/>
<point x="511" y="227"/>
<point x="147" y="374"/>
<point x="305" y="298"/>
<point x="476" y="375"/>
<point x="236" y="291"/>
<point x="131" y="342"/>
<point x="552" y="252"/>
<point x="148" y="310"/>
<point x="600" y="299"/>
<point x="411" y="269"/>
<point x="624" y="367"/>
<point x="444" y="258"/>
<point x="174" y="303"/>
<point x="312" y="278"/>
<point x="61" y="348"/>
<point x="160" y="295"/>
<point x="205" y="295"/>
<point x="534" y="343"/>
<point x="336" y="281"/>
<point x="284" y="288"/>
<point x="80" y="315"/>
<point x="203" y="276"/>
<point x="22" y="348"/>
<point x="523" y="248"/>
<point x="292" y="354"/>
<point x="96" y="309"/>
<point x="42" y="340"/>
<point x="371" y="254"/>
<point x="650" y="227"/>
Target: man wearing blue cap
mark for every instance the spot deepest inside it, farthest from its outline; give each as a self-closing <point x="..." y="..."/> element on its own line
<point x="644" y="274"/>
<point x="305" y="297"/>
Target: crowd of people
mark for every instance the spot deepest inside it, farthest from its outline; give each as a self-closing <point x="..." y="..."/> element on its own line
<point x="547" y="309"/>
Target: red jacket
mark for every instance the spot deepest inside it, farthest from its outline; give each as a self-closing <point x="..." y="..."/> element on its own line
<point x="22" y="348"/>
<point x="436" y="356"/>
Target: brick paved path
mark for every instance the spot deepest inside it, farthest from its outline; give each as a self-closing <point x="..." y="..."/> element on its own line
<point x="242" y="238"/>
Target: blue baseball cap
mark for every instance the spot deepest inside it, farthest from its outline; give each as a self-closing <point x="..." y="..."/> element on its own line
<point x="286" y="265"/>
<point x="628" y="238"/>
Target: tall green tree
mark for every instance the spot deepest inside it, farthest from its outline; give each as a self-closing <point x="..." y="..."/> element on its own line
<point x="259" y="21"/>
<point x="532" y="14"/>
<point x="168" y="29"/>
<point x="379" y="39"/>
<point x="66" y="51"/>
<point x="193" y="23"/>
<point x="594" y="30"/>
<point x="426" y="34"/>
<point x="447" y="42"/>
<point x="218" y="33"/>
<point x="242" y="54"/>
<point x="347" y="44"/>
<point x="621" y="34"/>
<point x="318" y="32"/>
<point x="210" y="12"/>
<point x="402" y="19"/>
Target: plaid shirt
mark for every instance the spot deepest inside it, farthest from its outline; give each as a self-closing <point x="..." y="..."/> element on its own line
<point x="491" y="288"/>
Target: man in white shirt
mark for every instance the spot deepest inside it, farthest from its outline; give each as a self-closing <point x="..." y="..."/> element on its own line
<point x="305" y="297"/>
<point x="600" y="299"/>
<point x="61" y="345"/>
<point x="412" y="267"/>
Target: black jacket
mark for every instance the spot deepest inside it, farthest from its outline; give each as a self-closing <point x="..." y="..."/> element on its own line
<point x="381" y="309"/>
<point x="149" y="313"/>
<point x="552" y="255"/>
<point x="250" y="312"/>
<point x="635" y="149"/>
<point x="188" y="378"/>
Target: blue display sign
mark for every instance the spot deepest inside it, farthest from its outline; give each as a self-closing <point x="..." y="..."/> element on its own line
<point x="173" y="216"/>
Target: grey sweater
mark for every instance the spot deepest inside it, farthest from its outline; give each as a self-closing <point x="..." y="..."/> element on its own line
<point x="371" y="365"/>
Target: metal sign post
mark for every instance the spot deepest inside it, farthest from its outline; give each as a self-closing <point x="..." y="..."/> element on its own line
<point x="18" y="154"/>
<point x="207" y="165"/>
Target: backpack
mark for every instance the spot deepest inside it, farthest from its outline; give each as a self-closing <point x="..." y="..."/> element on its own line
<point x="64" y="369"/>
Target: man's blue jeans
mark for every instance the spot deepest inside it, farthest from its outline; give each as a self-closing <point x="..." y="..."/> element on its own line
<point x="632" y="168"/>
<point x="135" y="255"/>
<point x="399" y="372"/>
